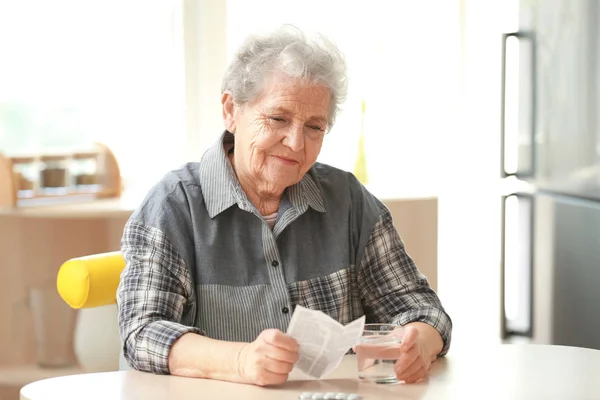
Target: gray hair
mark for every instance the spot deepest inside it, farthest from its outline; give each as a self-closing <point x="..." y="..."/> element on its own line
<point x="287" y="50"/>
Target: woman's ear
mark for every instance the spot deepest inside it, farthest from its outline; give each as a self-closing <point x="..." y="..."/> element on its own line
<point x="228" y="110"/>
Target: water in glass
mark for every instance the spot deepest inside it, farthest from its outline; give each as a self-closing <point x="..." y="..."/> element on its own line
<point x="377" y="352"/>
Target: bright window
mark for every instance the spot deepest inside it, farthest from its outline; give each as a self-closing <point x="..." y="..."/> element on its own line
<point x="75" y="72"/>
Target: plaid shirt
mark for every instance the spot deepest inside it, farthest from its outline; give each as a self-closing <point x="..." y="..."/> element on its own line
<point x="200" y="258"/>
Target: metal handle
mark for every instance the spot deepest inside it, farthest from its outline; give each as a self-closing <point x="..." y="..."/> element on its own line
<point x="506" y="329"/>
<point x="503" y="330"/>
<point x="529" y="172"/>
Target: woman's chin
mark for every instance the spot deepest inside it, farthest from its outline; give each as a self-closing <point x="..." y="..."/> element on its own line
<point x="282" y="178"/>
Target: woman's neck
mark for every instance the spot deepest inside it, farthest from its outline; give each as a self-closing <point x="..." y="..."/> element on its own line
<point x="263" y="197"/>
<point x="265" y="207"/>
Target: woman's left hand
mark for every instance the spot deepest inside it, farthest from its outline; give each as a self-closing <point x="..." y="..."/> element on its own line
<point x="413" y="362"/>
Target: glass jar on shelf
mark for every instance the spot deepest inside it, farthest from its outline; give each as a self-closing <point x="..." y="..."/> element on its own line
<point x="25" y="171"/>
<point x="84" y="170"/>
<point x="54" y="174"/>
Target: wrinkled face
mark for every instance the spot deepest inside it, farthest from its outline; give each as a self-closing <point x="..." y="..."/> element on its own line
<point x="278" y="136"/>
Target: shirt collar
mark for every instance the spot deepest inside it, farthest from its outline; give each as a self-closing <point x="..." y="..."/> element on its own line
<point x="221" y="188"/>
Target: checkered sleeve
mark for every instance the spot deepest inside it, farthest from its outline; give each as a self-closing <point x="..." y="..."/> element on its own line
<point x="155" y="298"/>
<point x="391" y="286"/>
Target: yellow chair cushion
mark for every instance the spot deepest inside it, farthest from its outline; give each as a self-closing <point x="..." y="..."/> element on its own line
<point x="90" y="281"/>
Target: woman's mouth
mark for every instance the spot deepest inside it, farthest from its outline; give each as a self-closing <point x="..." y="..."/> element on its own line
<point x="287" y="161"/>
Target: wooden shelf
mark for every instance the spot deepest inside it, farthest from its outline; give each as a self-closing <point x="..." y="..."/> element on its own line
<point x="81" y="176"/>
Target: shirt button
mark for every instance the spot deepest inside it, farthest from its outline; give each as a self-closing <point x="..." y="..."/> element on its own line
<point x="275" y="263"/>
<point x="285" y="310"/>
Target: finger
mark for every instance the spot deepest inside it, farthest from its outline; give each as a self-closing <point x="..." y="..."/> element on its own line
<point x="405" y="361"/>
<point x="279" y="339"/>
<point x="364" y="363"/>
<point x="398" y="332"/>
<point x="390" y="351"/>
<point x="408" y="370"/>
<point x="276" y="366"/>
<point x="409" y="338"/>
<point x="266" y="377"/>
<point x="421" y="373"/>
<point x="283" y="355"/>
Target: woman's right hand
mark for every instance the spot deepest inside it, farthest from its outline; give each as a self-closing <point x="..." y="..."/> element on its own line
<point x="269" y="359"/>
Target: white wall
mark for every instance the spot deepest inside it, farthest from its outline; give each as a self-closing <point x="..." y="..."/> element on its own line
<point x="402" y="57"/>
<point x="469" y="206"/>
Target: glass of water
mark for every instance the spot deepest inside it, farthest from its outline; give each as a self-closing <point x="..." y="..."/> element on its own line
<point x="377" y="352"/>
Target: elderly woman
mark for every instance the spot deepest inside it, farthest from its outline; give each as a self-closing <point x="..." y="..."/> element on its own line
<point x="221" y="251"/>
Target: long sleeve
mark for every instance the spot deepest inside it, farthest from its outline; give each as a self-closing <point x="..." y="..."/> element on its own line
<point x="155" y="298"/>
<point x="392" y="288"/>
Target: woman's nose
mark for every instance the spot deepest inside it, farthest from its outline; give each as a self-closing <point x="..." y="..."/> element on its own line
<point x="294" y="137"/>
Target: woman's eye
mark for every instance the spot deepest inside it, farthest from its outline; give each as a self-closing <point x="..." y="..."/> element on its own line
<point x="276" y="119"/>
<point x="316" y="128"/>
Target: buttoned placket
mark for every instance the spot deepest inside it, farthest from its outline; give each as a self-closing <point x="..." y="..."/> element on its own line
<point x="278" y="301"/>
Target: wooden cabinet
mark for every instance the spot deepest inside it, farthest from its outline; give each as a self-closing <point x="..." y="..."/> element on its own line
<point x="34" y="242"/>
<point x="416" y="220"/>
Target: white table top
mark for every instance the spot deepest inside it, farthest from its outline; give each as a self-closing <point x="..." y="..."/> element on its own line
<point x="504" y="372"/>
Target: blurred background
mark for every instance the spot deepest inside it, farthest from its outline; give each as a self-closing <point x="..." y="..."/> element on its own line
<point x="488" y="107"/>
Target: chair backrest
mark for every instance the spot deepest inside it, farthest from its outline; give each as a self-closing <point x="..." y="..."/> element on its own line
<point x="90" y="281"/>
